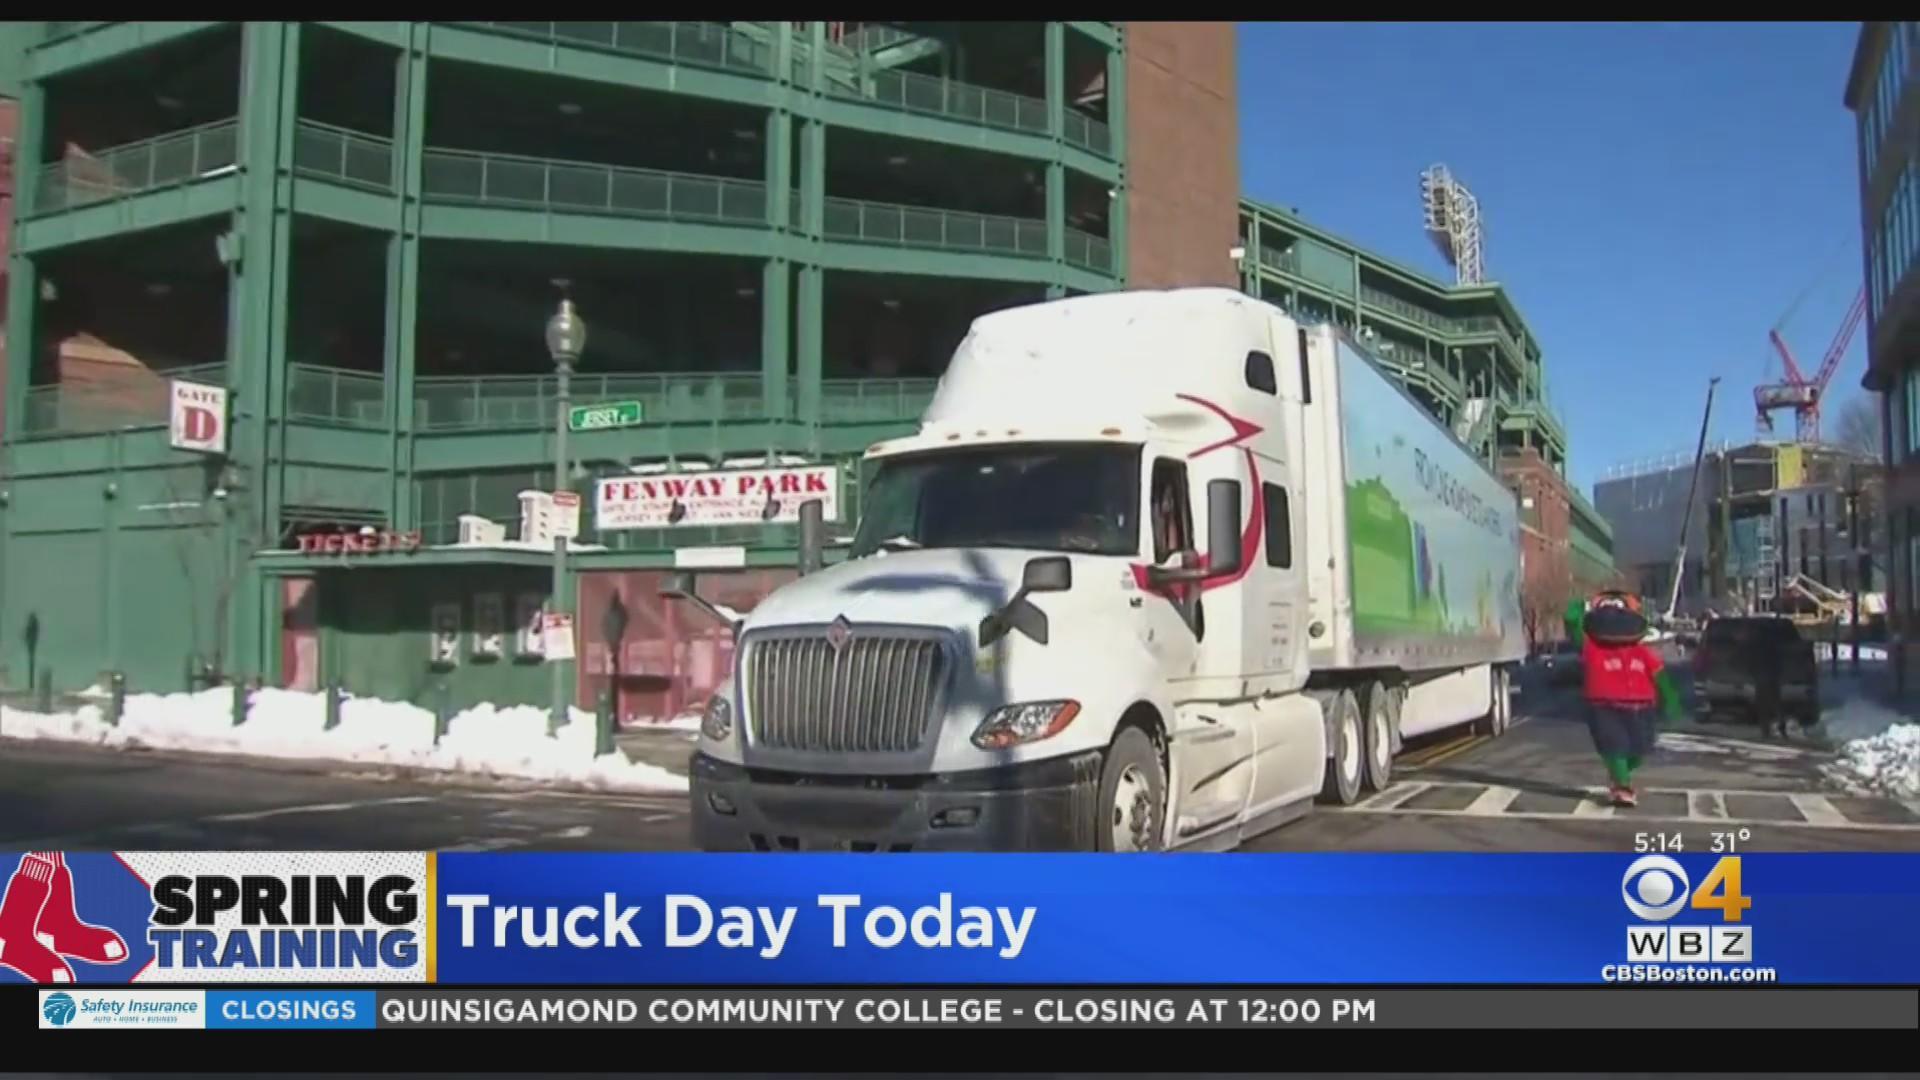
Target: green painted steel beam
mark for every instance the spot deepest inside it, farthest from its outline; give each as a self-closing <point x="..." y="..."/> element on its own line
<point x="149" y="210"/>
<point x="321" y="444"/>
<point x="929" y="262"/>
<point x="386" y="33"/>
<point x="473" y="450"/>
<point x="452" y="41"/>
<point x="443" y="222"/>
<point x="104" y="42"/>
<point x="343" y="205"/>
<point x="1103" y="32"/>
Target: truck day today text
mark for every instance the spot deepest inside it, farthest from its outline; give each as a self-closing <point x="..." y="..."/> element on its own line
<point x="689" y="922"/>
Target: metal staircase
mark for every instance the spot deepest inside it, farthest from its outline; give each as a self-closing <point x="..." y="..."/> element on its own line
<point x="1473" y="425"/>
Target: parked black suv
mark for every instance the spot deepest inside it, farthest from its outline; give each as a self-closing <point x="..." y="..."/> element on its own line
<point x="1737" y="652"/>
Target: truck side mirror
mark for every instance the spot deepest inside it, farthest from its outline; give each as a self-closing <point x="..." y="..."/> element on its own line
<point x="813" y="536"/>
<point x="1052" y="573"/>
<point x="1223" y="527"/>
<point x="1048" y="573"/>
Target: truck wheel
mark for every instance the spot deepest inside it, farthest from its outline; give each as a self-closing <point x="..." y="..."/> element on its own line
<point x="1133" y="795"/>
<point x="1383" y="716"/>
<point x="1346" y="752"/>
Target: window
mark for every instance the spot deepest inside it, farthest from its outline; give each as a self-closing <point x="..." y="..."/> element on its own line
<point x="1306" y="380"/>
<point x="1172" y="513"/>
<point x="1279" y="526"/>
<point x="1260" y="373"/>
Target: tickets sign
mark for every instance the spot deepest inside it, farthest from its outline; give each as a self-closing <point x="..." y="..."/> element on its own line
<point x="733" y="497"/>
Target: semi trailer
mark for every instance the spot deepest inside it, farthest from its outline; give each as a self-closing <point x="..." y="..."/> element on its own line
<point x="1158" y="570"/>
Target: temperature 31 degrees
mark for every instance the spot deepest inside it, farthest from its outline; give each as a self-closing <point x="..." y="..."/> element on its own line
<point x="1728" y="841"/>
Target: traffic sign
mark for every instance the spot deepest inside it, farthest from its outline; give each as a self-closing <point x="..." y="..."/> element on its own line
<point x="604" y="416"/>
<point x="566" y="514"/>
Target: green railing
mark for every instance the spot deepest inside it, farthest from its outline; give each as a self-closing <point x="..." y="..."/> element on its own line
<point x="1411" y="312"/>
<point x="914" y="92"/>
<point x="177" y="157"/>
<point x="336" y="396"/>
<point x="137" y="398"/>
<point x="343" y="155"/>
<point x="1489" y="324"/>
<point x="874" y="401"/>
<point x="509" y="180"/>
<point x="529" y="402"/>
<point x="915" y="226"/>
<point x="697" y="44"/>
<point x="1089" y="252"/>
<point x="1088" y="133"/>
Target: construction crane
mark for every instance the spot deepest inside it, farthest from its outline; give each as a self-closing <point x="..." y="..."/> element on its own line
<point x="1796" y="391"/>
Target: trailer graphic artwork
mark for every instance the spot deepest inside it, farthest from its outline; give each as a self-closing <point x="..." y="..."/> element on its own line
<point x="1434" y="535"/>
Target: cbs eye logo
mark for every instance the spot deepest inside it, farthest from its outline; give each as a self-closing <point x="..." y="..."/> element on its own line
<point x="1656" y="888"/>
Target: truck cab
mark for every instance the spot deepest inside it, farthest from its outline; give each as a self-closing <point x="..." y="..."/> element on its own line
<point x="1078" y="612"/>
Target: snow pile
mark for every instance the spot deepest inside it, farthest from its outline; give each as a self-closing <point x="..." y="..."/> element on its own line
<point x="484" y="740"/>
<point x="1879" y="749"/>
<point x="1887" y="763"/>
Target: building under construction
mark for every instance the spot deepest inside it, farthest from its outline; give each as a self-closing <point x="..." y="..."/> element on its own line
<point x="1774" y="526"/>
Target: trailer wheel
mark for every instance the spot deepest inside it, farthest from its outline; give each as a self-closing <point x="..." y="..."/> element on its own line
<point x="1383" y="718"/>
<point x="1133" y="795"/>
<point x="1346" y="752"/>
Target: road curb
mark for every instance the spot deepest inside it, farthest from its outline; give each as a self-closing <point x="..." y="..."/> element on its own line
<point x="346" y="769"/>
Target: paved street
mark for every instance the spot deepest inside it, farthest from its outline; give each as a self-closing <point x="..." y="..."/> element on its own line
<point x="1532" y="790"/>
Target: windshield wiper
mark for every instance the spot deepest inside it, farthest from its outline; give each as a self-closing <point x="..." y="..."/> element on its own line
<point x="902" y="542"/>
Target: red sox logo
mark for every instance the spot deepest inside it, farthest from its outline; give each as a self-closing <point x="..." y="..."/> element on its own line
<point x="39" y="928"/>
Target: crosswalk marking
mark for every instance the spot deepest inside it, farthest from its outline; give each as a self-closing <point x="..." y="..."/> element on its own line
<point x="1397" y="794"/>
<point x="1817" y="810"/>
<point x="1795" y="809"/>
<point x="1494" y="800"/>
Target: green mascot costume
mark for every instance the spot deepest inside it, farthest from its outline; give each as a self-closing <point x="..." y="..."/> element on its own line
<point x="1627" y="685"/>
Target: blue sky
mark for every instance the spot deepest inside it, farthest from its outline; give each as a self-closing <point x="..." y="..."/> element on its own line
<point x="1655" y="196"/>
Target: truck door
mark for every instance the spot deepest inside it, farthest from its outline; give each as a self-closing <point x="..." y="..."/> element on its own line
<point x="1212" y="747"/>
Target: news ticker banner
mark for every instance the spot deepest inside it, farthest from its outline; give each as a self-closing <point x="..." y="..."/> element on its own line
<point x="1479" y="1009"/>
<point x="570" y="919"/>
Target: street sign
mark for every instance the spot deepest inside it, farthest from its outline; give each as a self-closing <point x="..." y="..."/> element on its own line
<point x="603" y="417"/>
<point x="557" y="630"/>
<point x="566" y="514"/>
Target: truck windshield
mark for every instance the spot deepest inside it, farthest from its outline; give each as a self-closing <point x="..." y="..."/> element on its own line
<point x="1069" y="498"/>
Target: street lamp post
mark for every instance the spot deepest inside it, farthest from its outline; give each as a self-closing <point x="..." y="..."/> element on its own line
<point x="566" y="337"/>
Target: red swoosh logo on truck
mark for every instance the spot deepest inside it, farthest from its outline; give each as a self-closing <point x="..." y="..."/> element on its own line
<point x="1256" y="523"/>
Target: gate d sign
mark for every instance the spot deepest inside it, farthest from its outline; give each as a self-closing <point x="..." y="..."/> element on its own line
<point x="198" y="417"/>
<point x="606" y="415"/>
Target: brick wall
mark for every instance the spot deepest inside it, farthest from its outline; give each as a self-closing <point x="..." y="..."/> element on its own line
<point x="1547" y="572"/>
<point x="1183" y="159"/>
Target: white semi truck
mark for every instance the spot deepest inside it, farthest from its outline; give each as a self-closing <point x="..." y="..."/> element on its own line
<point x="1158" y="570"/>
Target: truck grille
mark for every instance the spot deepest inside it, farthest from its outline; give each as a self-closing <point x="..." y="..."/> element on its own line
<point x="874" y="695"/>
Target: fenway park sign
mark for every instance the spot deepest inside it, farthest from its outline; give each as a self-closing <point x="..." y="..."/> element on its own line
<point x="731" y="497"/>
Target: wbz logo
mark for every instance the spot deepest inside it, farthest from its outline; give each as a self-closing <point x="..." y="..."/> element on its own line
<point x="1656" y="889"/>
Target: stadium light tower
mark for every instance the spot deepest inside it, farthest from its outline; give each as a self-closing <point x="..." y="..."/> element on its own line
<point x="1452" y="220"/>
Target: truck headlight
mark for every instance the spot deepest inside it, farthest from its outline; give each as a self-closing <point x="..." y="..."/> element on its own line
<point x="1031" y="721"/>
<point x="716" y="722"/>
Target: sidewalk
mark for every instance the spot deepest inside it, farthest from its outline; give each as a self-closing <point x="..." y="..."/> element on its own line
<point x="659" y="745"/>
